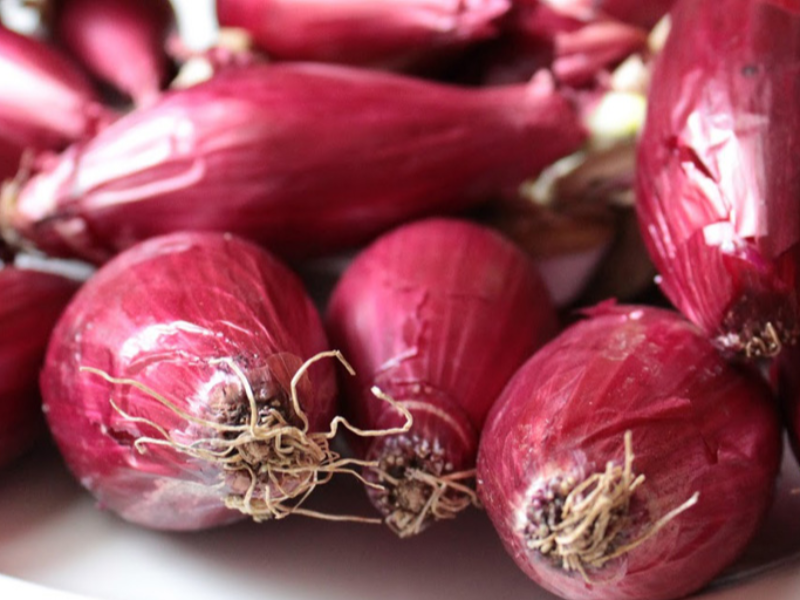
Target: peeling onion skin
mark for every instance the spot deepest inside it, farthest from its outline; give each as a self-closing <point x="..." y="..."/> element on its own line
<point x="394" y="34"/>
<point x="718" y="195"/>
<point x="137" y="30"/>
<point x="438" y="314"/>
<point x="32" y="302"/>
<point x="160" y="313"/>
<point x="698" y="425"/>
<point x="46" y="101"/>
<point x="303" y="158"/>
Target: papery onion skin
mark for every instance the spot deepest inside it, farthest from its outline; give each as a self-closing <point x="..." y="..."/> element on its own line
<point x="32" y="302"/>
<point x="698" y="425"/>
<point x="160" y="314"/>
<point x="46" y="102"/>
<point x="303" y="158"/>
<point x="718" y="195"/>
<point x="395" y="34"/>
<point x="438" y="314"/>
<point x="137" y="32"/>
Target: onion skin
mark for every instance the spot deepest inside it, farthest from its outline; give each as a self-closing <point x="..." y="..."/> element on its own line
<point x="267" y="152"/>
<point x="137" y="31"/>
<point x="698" y="426"/>
<point x="160" y="314"/>
<point x="32" y="303"/>
<point x="438" y="314"/>
<point x="395" y="34"/>
<point x="718" y="198"/>
<point x="46" y="102"/>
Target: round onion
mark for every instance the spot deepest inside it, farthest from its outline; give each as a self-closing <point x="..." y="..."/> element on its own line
<point x="626" y="459"/>
<point x="179" y="386"/>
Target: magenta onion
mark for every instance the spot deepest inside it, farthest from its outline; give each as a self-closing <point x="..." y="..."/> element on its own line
<point x="718" y="194"/>
<point x="303" y="158"/>
<point x="180" y="389"/>
<point x="46" y="102"/>
<point x="644" y="14"/>
<point x="390" y="34"/>
<point x="438" y="314"/>
<point x="32" y="302"/>
<point x="787" y="377"/>
<point x="581" y="50"/>
<point x="122" y="42"/>
<point x="627" y="459"/>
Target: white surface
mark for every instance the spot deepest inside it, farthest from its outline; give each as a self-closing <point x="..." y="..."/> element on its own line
<point x="52" y="535"/>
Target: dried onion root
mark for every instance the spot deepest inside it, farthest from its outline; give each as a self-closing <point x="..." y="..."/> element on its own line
<point x="280" y="464"/>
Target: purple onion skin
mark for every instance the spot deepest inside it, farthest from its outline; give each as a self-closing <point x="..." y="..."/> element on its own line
<point x="160" y="314"/>
<point x="394" y="34"/>
<point x="438" y="314"/>
<point x="137" y="32"/>
<point x="697" y="423"/>
<point x="718" y="195"/>
<point x="303" y="158"/>
<point x="32" y="302"/>
<point x="46" y="102"/>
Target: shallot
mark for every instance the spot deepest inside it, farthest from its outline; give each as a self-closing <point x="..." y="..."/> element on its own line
<point x="389" y="34"/>
<point x="136" y="30"/>
<point x="46" y="102"/>
<point x="438" y="314"/>
<point x="303" y="158"/>
<point x="627" y="459"/>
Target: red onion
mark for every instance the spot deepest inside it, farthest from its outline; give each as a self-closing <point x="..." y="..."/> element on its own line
<point x="438" y="314"/>
<point x="31" y="303"/>
<point x="718" y="195"/>
<point x="180" y="388"/>
<point x="786" y="373"/>
<point x="581" y="52"/>
<point x="390" y="33"/>
<point x="644" y="14"/>
<point x="121" y="42"/>
<point x="268" y="152"/>
<point x="45" y="101"/>
<point x="627" y="459"/>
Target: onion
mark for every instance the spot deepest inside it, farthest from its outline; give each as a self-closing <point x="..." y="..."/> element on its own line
<point x="627" y="459"/>
<point x="136" y="30"/>
<point x="389" y="34"/>
<point x="269" y="153"/>
<point x="31" y="303"/>
<point x="636" y="12"/>
<point x="46" y="102"/>
<point x="183" y="389"/>
<point x="718" y="195"/>
<point x="438" y="314"/>
<point x="786" y="375"/>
